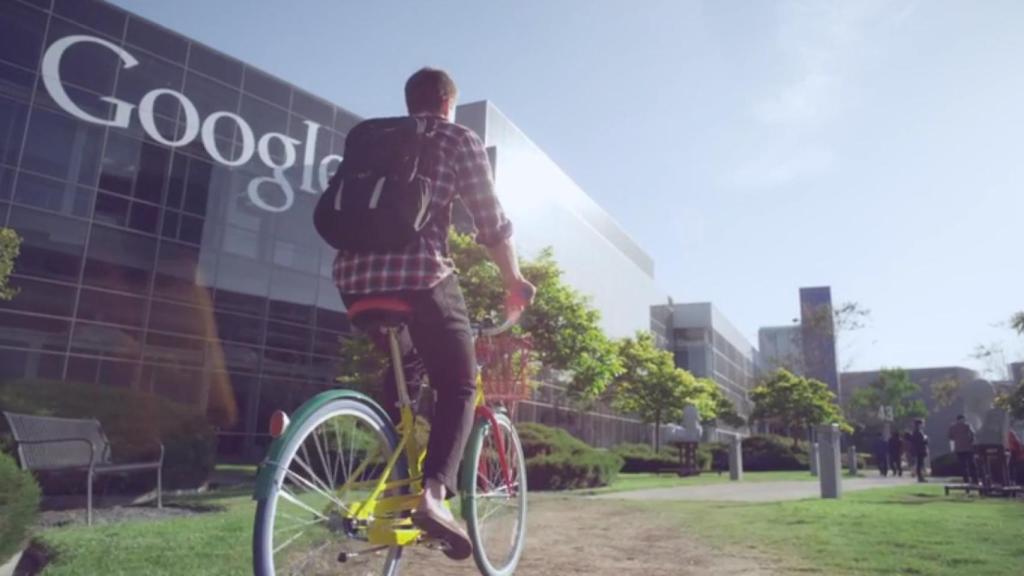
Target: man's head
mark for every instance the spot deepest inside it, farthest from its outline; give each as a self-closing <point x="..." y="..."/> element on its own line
<point x="431" y="91"/>
<point x="960" y="418"/>
<point x="918" y="423"/>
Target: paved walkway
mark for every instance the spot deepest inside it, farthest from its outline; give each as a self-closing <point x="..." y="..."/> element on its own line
<point x="753" y="491"/>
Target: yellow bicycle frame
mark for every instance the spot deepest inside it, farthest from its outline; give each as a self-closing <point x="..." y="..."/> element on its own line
<point x="386" y="524"/>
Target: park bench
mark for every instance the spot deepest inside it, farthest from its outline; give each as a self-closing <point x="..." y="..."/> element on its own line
<point x="47" y="443"/>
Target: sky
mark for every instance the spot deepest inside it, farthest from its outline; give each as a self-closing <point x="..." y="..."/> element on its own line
<point x="750" y="148"/>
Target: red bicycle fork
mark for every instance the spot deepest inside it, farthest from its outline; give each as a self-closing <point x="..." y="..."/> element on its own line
<point x="484" y="411"/>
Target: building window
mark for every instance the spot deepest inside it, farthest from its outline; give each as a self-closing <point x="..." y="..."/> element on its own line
<point x="119" y="260"/>
<point x="62" y="147"/>
<point x="51" y="245"/>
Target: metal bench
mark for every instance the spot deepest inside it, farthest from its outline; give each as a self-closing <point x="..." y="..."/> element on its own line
<point x="46" y="443"/>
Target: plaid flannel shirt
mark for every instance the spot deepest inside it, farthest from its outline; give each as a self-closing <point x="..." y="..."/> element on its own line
<point x="463" y="170"/>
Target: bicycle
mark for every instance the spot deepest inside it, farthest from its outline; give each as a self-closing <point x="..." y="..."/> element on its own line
<point x="340" y="480"/>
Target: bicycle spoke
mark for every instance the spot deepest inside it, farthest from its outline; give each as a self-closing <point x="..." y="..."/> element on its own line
<point x="298" y="525"/>
<point x="287" y="542"/>
<point x="317" y="490"/>
<point x="320" y="451"/>
<point x="340" y="457"/>
<point x="312" y="517"/>
<point x="351" y="453"/>
<point x="309" y="557"/>
<point x="292" y="499"/>
<point x="309" y="470"/>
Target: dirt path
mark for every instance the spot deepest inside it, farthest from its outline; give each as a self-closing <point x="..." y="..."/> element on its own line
<point x="753" y="491"/>
<point x="570" y="536"/>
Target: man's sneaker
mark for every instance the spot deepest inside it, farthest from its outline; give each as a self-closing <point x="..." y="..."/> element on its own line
<point x="445" y="529"/>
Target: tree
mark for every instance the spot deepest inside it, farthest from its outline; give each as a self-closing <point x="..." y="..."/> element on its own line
<point x="993" y="360"/>
<point x="10" y="246"/>
<point x="1017" y="323"/>
<point x="1014" y="401"/>
<point x="892" y="388"/>
<point x="361" y="365"/>
<point x="794" y="403"/>
<point x="564" y="327"/>
<point x="846" y="317"/>
<point x="944" y="392"/>
<point x="649" y="384"/>
<point x="719" y="408"/>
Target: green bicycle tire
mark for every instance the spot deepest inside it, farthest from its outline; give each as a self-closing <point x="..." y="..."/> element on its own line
<point x="471" y="497"/>
<point x="297" y="433"/>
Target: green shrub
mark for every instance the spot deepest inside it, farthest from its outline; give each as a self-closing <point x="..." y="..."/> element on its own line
<point x="713" y="457"/>
<point x="642" y="458"/>
<point x="19" y="506"/>
<point x="570" y="471"/>
<point x="946" y="465"/>
<point x="539" y="440"/>
<point x="133" y="421"/>
<point x="556" y="460"/>
<point x="763" y="453"/>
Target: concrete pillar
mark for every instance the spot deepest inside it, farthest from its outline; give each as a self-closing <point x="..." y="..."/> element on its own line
<point x="813" y="457"/>
<point x="736" y="458"/>
<point x="851" y="455"/>
<point x="830" y="465"/>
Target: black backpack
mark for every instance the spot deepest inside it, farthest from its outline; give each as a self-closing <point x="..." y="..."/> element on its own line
<point x="379" y="199"/>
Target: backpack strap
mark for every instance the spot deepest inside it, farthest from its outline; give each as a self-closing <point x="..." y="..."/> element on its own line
<point x="425" y="128"/>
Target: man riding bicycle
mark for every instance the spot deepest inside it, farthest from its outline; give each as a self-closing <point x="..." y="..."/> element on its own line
<point x="438" y="341"/>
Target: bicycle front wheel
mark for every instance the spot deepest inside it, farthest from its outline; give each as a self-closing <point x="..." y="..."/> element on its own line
<point x="494" y="495"/>
<point x="303" y="524"/>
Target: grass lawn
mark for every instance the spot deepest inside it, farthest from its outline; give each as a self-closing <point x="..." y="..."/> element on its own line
<point x="902" y="530"/>
<point x="210" y="543"/>
<point x="643" y="481"/>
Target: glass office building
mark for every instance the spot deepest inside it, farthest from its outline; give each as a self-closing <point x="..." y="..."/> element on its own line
<point x="818" y="337"/>
<point x="704" y="342"/>
<point x="164" y="194"/>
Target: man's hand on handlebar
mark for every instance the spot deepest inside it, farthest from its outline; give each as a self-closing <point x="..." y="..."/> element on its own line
<point x="519" y="294"/>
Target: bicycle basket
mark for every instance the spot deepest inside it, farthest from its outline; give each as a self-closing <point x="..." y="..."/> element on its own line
<point x="504" y="369"/>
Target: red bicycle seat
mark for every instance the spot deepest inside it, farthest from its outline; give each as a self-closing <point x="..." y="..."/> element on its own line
<point x="380" y="311"/>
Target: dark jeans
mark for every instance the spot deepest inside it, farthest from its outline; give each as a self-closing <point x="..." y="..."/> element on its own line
<point x="919" y="462"/>
<point x="896" y="463"/>
<point x="437" y="344"/>
<point x="970" y="469"/>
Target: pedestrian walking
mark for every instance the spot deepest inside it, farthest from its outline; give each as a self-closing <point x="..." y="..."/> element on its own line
<point x="919" y="447"/>
<point x="881" y="453"/>
<point x="961" y="434"/>
<point x="896" y="454"/>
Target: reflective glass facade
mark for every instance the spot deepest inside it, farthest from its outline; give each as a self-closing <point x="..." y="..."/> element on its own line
<point x="164" y="194"/>
<point x="817" y="337"/>
<point x="706" y="344"/>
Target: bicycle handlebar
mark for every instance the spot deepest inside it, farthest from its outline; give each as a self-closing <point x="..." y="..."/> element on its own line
<point x="503" y="327"/>
<point x="510" y="321"/>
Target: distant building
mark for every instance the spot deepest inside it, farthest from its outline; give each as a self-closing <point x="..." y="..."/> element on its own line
<point x="818" y="336"/>
<point x="972" y="398"/>
<point x="706" y="344"/>
<point x="1017" y="372"/>
<point x="781" y="347"/>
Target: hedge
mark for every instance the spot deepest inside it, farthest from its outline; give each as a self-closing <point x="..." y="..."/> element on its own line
<point x="19" y="506"/>
<point x="642" y="458"/>
<point x="555" y="460"/>
<point x="133" y="422"/>
<point x="768" y="452"/>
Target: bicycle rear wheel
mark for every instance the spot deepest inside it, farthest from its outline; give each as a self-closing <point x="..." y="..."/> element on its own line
<point x="494" y="505"/>
<point x="301" y="524"/>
